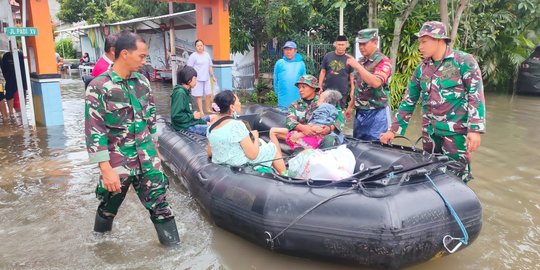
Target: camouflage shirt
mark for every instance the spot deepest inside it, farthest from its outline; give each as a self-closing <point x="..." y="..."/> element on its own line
<point x="301" y="111"/>
<point x="452" y="95"/>
<point x="120" y="117"/>
<point x="366" y="97"/>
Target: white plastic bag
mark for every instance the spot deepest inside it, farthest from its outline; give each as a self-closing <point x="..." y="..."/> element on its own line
<point x="214" y="87"/>
<point x="334" y="164"/>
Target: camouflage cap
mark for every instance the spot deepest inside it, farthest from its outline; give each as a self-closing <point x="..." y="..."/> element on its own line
<point x="309" y="80"/>
<point x="433" y="29"/>
<point x="367" y="34"/>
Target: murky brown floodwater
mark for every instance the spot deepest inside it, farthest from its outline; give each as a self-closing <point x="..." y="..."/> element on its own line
<point x="47" y="203"/>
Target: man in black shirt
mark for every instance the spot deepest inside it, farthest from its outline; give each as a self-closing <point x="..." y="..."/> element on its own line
<point x="335" y="73"/>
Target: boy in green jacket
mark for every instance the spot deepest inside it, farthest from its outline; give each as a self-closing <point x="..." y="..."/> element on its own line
<point x="182" y="115"/>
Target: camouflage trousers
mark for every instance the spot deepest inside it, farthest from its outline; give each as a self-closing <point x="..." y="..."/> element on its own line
<point x="150" y="186"/>
<point x="454" y="147"/>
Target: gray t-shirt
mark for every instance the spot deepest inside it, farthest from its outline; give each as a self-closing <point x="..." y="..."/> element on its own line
<point x="337" y="73"/>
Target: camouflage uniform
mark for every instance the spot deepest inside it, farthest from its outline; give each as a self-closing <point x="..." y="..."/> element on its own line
<point x="372" y="112"/>
<point x="301" y="111"/>
<point x="452" y="95"/>
<point x="120" y="117"/>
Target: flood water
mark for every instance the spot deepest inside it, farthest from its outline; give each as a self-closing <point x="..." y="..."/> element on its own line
<point x="47" y="203"/>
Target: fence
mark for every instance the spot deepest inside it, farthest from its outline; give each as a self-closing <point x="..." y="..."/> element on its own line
<point x="245" y="78"/>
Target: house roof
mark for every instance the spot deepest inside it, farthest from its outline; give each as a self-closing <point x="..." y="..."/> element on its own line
<point x="187" y="16"/>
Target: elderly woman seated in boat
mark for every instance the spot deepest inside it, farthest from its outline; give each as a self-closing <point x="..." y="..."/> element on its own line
<point x="301" y="111"/>
<point x="325" y="115"/>
<point x="182" y="116"/>
<point x="231" y="143"/>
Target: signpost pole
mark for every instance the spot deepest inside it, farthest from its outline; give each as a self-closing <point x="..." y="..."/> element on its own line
<point x="15" y="53"/>
<point x="27" y="70"/>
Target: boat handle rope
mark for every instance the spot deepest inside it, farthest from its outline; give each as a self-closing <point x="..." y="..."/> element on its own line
<point x="270" y="239"/>
<point x="447" y="239"/>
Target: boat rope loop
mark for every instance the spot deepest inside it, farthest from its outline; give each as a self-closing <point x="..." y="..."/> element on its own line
<point x="447" y="239"/>
<point x="270" y="239"/>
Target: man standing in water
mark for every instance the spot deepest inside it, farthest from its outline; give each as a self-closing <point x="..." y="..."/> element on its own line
<point x="287" y="71"/>
<point x="120" y="117"/>
<point x="335" y="73"/>
<point x="370" y="97"/>
<point x="450" y="84"/>
<point x="107" y="59"/>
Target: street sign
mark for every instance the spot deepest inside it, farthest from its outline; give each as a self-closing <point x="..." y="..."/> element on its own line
<point x="21" y="31"/>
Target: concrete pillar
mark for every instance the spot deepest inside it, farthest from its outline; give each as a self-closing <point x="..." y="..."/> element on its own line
<point x="213" y="28"/>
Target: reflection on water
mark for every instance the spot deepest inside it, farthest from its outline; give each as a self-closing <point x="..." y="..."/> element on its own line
<point x="47" y="203"/>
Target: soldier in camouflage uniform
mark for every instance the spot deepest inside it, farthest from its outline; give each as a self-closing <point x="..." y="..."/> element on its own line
<point x="450" y="85"/>
<point x="120" y="118"/>
<point x="301" y="111"/>
<point x="371" y="88"/>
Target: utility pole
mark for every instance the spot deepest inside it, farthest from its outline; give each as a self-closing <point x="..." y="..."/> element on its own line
<point x="27" y="70"/>
<point x="341" y="20"/>
<point x="174" y="66"/>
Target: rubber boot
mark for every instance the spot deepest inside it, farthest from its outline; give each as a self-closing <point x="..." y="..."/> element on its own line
<point x="167" y="233"/>
<point x="103" y="224"/>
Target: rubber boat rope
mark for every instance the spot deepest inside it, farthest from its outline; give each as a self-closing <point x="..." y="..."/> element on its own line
<point x="270" y="239"/>
<point x="447" y="239"/>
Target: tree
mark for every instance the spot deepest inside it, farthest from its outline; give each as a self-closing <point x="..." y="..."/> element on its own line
<point x="398" y="26"/>
<point x="443" y="7"/>
<point x="108" y="11"/>
<point x="457" y="18"/>
<point x="372" y="11"/>
<point x="65" y="48"/>
<point x="501" y="34"/>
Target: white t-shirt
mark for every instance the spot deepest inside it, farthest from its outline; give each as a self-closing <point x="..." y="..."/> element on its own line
<point x="201" y="63"/>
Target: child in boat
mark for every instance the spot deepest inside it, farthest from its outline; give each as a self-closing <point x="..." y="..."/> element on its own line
<point x="182" y="115"/>
<point x="325" y="115"/>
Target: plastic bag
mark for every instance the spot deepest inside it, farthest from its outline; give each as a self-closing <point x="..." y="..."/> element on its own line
<point x="214" y="87"/>
<point x="334" y="164"/>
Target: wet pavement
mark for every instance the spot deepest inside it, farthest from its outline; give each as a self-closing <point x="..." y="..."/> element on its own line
<point x="47" y="203"/>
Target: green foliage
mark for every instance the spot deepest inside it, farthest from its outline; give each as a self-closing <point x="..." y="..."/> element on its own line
<point x="270" y="98"/>
<point x="408" y="55"/>
<point x="258" y="21"/>
<point x="266" y="65"/>
<point x="108" y="11"/>
<point x="262" y="94"/>
<point x="501" y="34"/>
<point x="65" y="48"/>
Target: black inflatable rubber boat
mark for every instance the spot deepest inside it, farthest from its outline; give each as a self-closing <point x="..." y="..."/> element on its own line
<point x="389" y="214"/>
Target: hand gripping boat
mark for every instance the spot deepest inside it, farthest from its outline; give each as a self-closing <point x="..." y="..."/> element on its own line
<point x="401" y="207"/>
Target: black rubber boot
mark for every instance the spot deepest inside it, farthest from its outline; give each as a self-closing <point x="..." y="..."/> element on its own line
<point x="103" y="224"/>
<point x="168" y="233"/>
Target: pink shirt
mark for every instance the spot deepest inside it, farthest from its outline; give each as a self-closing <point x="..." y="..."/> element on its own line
<point x="101" y="66"/>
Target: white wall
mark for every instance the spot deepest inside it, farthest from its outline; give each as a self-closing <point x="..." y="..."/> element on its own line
<point x="242" y="60"/>
<point x="3" y="17"/>
<point x="156" y="54"/>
